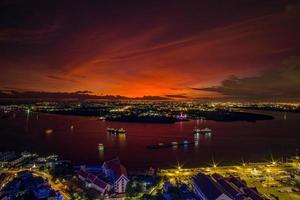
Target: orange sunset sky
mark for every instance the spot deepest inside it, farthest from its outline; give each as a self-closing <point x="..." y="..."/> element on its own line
<point x="176" y="49"/>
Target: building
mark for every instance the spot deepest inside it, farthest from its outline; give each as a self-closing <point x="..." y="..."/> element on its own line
<point x="250" y="192"/>
<point x="6" y="157"/>
<point x="93" y="181"/>
<point x="230" y="189"/>
<point x="253" y="193"/>
<point x="27" y="186"/>
<point x="111" y="176"/>
<point x="207" y="189"/>
<point x="118" y="173"/>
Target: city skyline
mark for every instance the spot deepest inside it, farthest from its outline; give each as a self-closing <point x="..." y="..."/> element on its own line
<point x="170" y="50"/>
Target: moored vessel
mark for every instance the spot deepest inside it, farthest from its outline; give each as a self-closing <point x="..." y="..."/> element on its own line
<point x="202" y="131"/>
<point x="100" y="147"/>
<point x="116" y="130"/>
<point x="49" y="131"/>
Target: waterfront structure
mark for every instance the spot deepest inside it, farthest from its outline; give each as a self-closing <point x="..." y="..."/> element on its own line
<point x="217" y="187"/>
<point x="230" y="189"/>
<point x="207" y="189"/>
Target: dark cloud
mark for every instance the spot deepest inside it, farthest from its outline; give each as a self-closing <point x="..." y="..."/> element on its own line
<point x="12" y="94"/>
<point x="60" y="78"/>
<point x="283" y="83"/>
<point x="78" y="95"/>
<point x="27" y="36"/>
<point x="84" y="92"/>
<point x="293" y="7"/>
<point x="152" y="98"/>
<point x="177" y="96"/>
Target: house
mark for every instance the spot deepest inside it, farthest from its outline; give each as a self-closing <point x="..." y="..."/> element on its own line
<point x="42" y="192"/>
<point x="167" y="196"/>
<point x="25" y="183"/>
<point x="118" y="173"/>
<point x="237" y="182"/>
<point x="167" y="185"/>
<point x="112" y="175"/>
<point x="93" y="181"/>
<point x="207" y="189"/>
<point x="186" y="193"/>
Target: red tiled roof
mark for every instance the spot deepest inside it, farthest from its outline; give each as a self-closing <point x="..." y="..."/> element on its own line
<point x="116" y="166"/>
<point x="91" y="177"/>
<point x="100" y="183"/>
<point x="124" y="171"/>
<point x="112" y="162"/>
<point x="100" y="175"/>
<point x="83" y="173"/>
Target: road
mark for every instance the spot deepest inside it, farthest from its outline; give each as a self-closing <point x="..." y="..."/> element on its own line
<point x="56" y="186"/>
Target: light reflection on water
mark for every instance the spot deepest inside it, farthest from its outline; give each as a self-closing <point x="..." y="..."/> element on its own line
<point x="230" y="141"/>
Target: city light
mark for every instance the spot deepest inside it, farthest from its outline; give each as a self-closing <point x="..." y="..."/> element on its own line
<point x="150" y="100"/>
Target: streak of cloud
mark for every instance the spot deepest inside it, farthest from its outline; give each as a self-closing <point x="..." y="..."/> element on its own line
<point x="283" y="83"/>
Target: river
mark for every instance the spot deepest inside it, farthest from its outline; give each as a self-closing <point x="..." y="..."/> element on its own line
<point x="230" y="142"/>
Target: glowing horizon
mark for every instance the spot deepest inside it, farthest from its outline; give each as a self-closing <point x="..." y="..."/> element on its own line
<point x="152" y="49"/>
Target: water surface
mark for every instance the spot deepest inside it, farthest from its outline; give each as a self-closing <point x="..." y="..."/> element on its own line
<point x="230" y="142"/>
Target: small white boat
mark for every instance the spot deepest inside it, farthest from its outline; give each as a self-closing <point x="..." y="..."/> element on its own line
<point x="161" y="144"/>
<point x="101" y="118"/>
<point x="49" y="131"/>
<point x="100" y="147"/>
<point x="174" y="143"/>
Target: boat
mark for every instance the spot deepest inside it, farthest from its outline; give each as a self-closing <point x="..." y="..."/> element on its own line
<point x="121" y="131"/>
<point x="110" y="130"/>
<point x="161" y="144"/>
<point x="202" y="131"/>
<point x="100" y="147"/>
<point x="185" y="142"/>
<point x="116" y="130"/>
<point x="49" y="131"/>
<point x="205" y="130"/>
<point x="196" y="130"/>
<point x="174" y="143"/>
<point x="169" y="145"/>
<point x="101" y="118"/>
